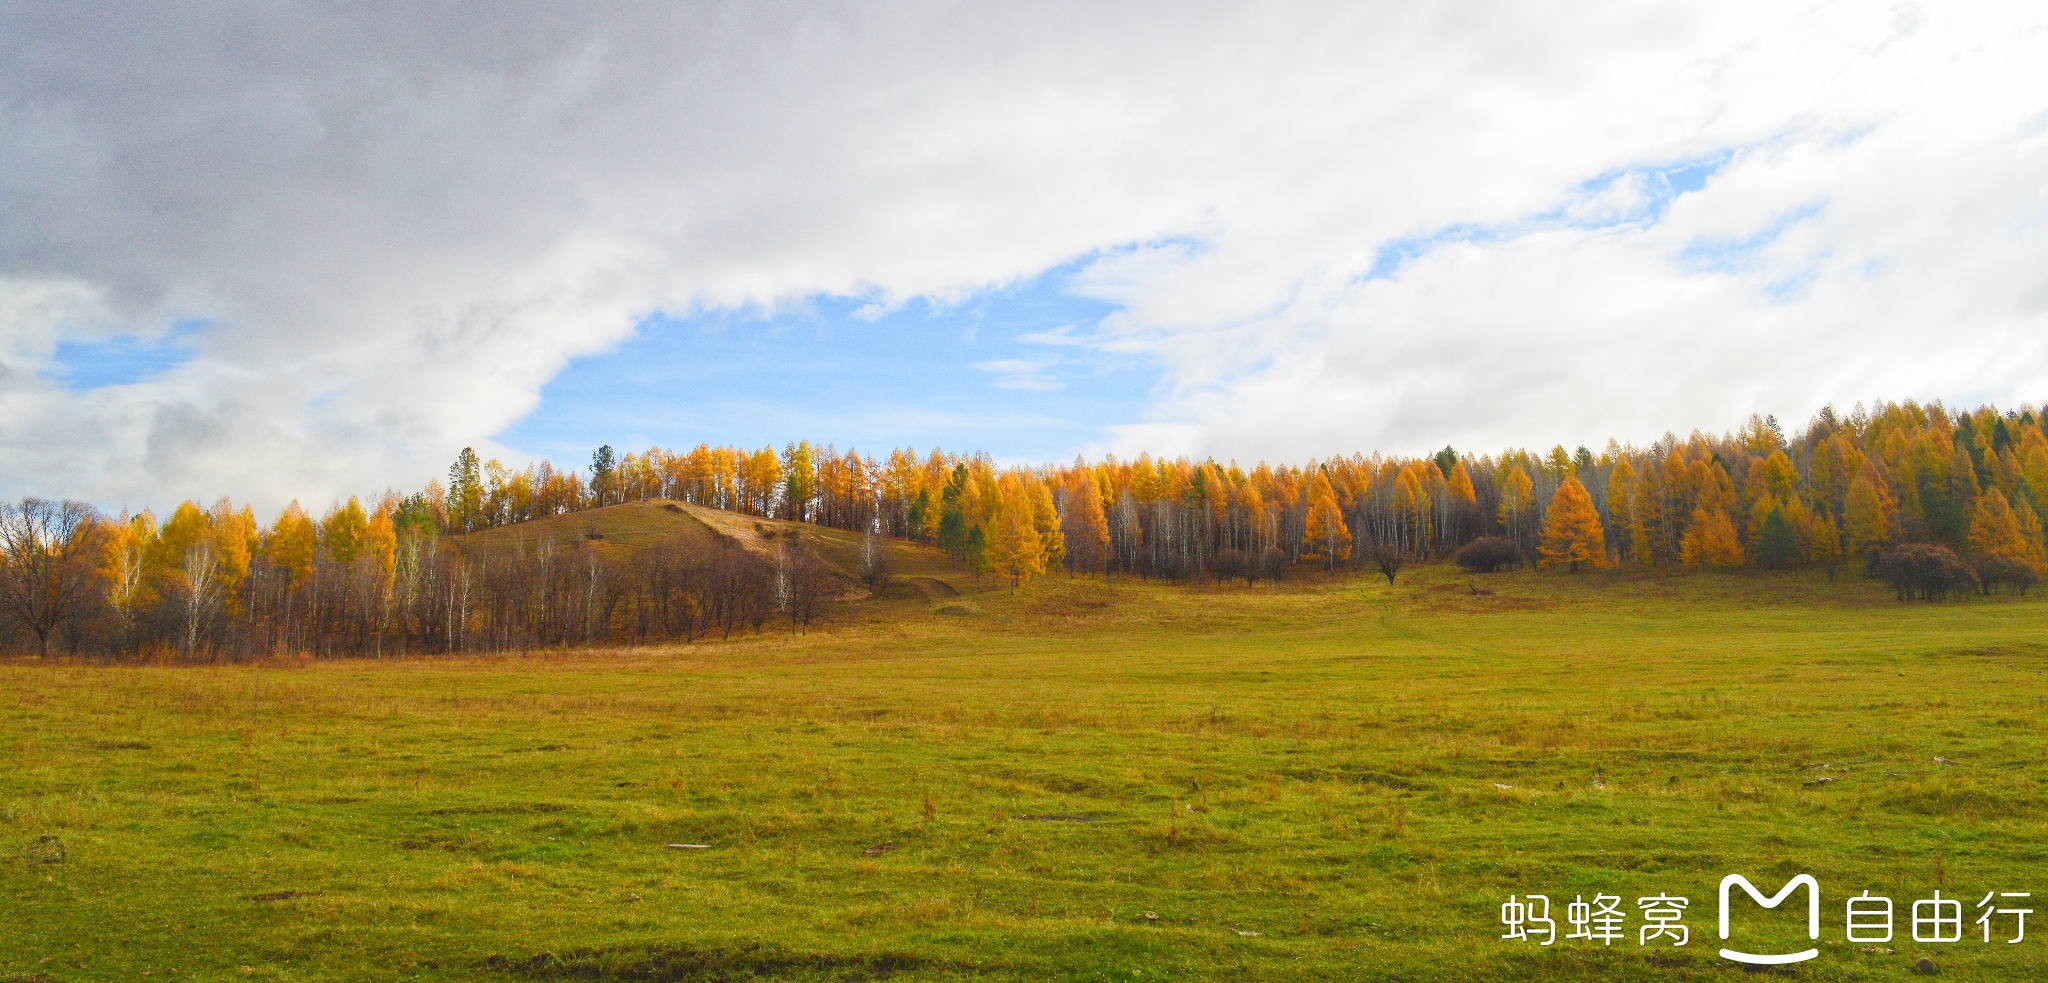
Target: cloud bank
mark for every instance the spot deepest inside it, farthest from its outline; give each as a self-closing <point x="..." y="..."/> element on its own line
<point x="375" y="234"/>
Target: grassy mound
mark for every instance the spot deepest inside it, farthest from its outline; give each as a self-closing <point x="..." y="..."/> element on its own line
<point x="619" y="529"/>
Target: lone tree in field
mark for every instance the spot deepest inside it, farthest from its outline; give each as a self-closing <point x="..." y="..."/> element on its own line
<point x="1572" y="533"/>
<point x="46" y="568"/>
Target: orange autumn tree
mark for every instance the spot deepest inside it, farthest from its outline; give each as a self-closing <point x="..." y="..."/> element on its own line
<point x="1016" y="549"/>
<point x="291" y="544"/>
<point x="1085" y="527"/>
<point x="1572" y="533"/>
<point x="1711" y="540"/>
<point x="1621" y="493"/>
<point x="1045" y="519"/>
<point x="1997" y="532"/>
<point x="1825" y="539"/>
<point x="124" y="545"/>
<point x="344" y="531"/>
<point x="1464" y="501"/>
<point x="1325" y="536"/>
<point x="1870" y="515"/>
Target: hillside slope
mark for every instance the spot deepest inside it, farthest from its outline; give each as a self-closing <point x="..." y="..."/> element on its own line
<point x="917" y="571"/>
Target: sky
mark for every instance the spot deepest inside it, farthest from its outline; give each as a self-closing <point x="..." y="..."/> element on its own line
<point x="285" y="250"/>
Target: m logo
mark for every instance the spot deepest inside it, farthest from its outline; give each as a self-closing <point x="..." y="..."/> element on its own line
<point x="1812" y="917"/>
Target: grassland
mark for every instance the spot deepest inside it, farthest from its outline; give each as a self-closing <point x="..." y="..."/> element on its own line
<point x="1325" y="779"/>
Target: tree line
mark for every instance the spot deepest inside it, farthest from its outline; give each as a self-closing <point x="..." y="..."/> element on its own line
<point x="1937" y="501"/>
<point x="209" y="583"/>
<point x="1843" y="489"/>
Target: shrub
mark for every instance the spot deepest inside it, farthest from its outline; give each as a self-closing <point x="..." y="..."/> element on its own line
<point x="1232" y="564"/>
<point x="1388" y="560"/>
<point x="1925" y="572"/>
<point x="1488" y="554"/>
<point x="1996" y="570"/>
<point x="1273" y="563"/>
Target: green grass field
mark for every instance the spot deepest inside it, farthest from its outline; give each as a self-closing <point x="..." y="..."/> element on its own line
<point x="1310" y="781"/>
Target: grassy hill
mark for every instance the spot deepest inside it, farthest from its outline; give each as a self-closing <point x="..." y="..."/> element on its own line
<point x="1322" y="779"/>
<point x="616" y="528"/>
<point x="919" y="573"/>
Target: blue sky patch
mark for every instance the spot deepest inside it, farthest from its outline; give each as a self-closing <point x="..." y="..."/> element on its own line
<point x="1736" y="254"/>
<point x="123" y="359"/>
<point x="1008" y="370"/>
<point x="1637" y="196"/>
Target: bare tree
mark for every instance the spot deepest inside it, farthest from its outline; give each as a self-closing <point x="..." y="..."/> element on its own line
<point x="202" y="589"/>
<point x="46" y="570"/>
<point x="1388" y="559"/>
<point x="874" y="562"/>
<point x="806" y="578"/>
<point x="1274" y="563"/>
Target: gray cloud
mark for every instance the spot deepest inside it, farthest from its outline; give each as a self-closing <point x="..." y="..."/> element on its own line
<point x="402" y="220"/>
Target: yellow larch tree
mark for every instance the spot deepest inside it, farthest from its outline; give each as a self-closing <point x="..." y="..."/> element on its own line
<point x="1464" y="501"/>
<point x="1572" y="533"/>
<point x="1621" y="493"/>
<point x="1801" y="521"/>
<point x="1824" y="540"/>
<point x="1714" y="488"/>
<point x="2030" y="526"/>
<point x="183" y="532"/>
<point x="1771" y="477"/>
<point x="344" y="530"/>
<point x="1869" y="516"/>
<point x="1996" y="531"/>
<point x="1836" y="461"/>
<point x="1326" y="538"/>
<point x="1045" y="520"/>
<point x="291" y="543"/>
<point x="2033" y="466"/>
<point x="125" y="543"/>
<point x="1710" y="540"/>
<point x="1648" y="519"/>
<point x="380" y="544"/>
<point x="1084" y="527"/>
<point x="1014" y="549"/>
<point x="236" y="537"/>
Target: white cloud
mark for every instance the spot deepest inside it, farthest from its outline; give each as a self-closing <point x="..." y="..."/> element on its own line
<point x="1022" y="373"/>
<point x="405" y="221"/>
